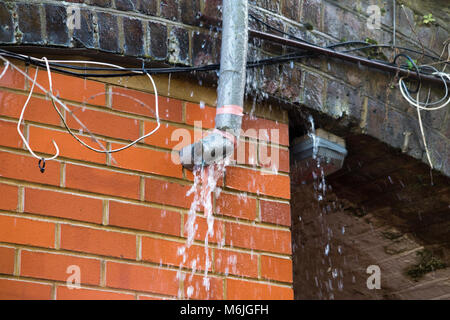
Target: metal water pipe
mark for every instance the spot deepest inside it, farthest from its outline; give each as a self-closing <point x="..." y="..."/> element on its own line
<point x="221" y="142"/>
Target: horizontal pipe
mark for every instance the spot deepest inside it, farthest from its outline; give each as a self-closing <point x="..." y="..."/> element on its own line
<point x="346" y="57"/>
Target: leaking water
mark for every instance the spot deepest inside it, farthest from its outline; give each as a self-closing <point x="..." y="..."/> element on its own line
<point x="204" y="189"/>
<point x="322" y="256"/>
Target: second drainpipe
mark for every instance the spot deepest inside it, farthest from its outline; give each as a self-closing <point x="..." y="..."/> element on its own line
<point x="230" y="93"/>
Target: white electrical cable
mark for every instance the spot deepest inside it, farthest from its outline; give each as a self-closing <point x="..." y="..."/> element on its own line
<point x="430" y="103"/>
<point x="20" y="122"/>
<point x="4" y="70"/>
<point x="422" y="129"/>
<point x="55" y="99"/>
<point x="417" y="103"/>
<point x="111" y="65"/>
<point x="423" y="106"/>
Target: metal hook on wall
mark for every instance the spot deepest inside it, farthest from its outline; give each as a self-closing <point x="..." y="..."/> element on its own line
<point x="25" y="142"/>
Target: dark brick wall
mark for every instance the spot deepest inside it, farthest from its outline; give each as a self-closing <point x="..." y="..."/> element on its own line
<point x="187" y="32"/>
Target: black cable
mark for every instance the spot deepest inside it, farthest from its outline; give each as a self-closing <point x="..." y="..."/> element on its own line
<point x="139" y="71"/>
<point x="419" y="83"/>
<point x="389" y="46"/>
<point x="347" y="43"/>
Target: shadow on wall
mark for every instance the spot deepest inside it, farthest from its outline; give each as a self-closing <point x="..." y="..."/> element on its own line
<point x="382" y="210"/>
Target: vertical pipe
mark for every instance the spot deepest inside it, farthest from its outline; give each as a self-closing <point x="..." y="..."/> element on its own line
<point x="232" y="64"/>
<point x="230" y="93"/>
<point x="394" y="14"/>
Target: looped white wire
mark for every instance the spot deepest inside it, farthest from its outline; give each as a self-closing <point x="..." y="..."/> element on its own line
<point x="4" y="70"/>
<point x="115" y="66"/>
<point x="417" y="103"/>
<point x="20" y="122"/>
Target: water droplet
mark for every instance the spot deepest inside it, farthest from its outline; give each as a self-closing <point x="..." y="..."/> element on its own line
<point x="327" y="249"/>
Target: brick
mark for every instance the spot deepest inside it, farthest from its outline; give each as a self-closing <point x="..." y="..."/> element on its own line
<point x="275" y="212"/>
<point x="7" y="260"/>
<point x="258" y="182"/>
<point x="104" y="123"/>
<point x="168" y="193"/>
<point x="144" y="218"/>
<point x="71" y="88"/>
<point x="63" y="205"/>
<point x="134" y="37"/>
<point x="179" y="43"/>
<point x="141" y="278"/>
<point x="145" y="297"/>
<point x="313" y="92"/>
<point x="169" y="9"/>
<point x="236" y="263"/>
<point x="190" y="11"/>
<point x="202" y="228"/>
<point x="56" y="24"/>
<point x="311" y="12"/>
<point x="276" y="268"/>
<point x="271" y="81"/>
<point x="168" y="136"/>
<point x="264" y="130"/>
<point x="12" y="79"/>
<point x="354" y="27"/>
<point x="127" y="5"/>
<point x="291" y="9"/>
<point x="239" y="206"/>
<point x="342" y="99"/>
<point x="7" y="28"/>
<point x="65" y="293"/>
<point x="218" y="174"/>
<point x="212" y="11"/>
<point x="41" y="140"/>
<point x="148" y="7"/>
<point x="202" y="49"/>
<point x="101" y="242"/>
<point x="273" y="158"/>
<point x="171" y="253"/>
<point x="9" y="137"/>
<point x="24" y="290"/>
<point x="147" y="160"/>
<point x="194" y="288"/>
<point x="142" y="103"/>
<point x="246" y="153"/>
<point x="252" y="237"/>
<point x="246" y="290"/>
<point x="52" y="266"/>
<point x="29" y="16"/>
<point x="274" y="48"/>
<point x="84" y="36"/>
<point x="205" y="114"/>
<point x="102" y="181"/>
<point x="9" y="197"/>
<point x="108" y="29"/>
<point x="158" y="40"/>
<point x="26" y="168"/>
<point x="376" y="114"/>
<point x="27" y="231"/>
<point x="38" y="110"/>
<point x="102" y="3"/>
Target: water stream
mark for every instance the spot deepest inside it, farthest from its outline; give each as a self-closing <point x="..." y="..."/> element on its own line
<point x="204" y="188"/>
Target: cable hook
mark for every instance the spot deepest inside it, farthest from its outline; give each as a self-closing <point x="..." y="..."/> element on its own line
<point x="42" y="167"/>
<point x="25" y="142"/>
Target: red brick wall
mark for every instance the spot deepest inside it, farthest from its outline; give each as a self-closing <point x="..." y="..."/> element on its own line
<point x="122" y="222"/>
